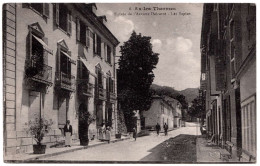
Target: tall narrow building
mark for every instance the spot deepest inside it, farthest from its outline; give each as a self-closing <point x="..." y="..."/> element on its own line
<point x="228" y="77"/>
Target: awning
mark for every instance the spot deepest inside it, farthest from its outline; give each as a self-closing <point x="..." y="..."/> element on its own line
<point x="83" y="61"/>
<point x="43" y="44"/>
<point x="67" y="55"/>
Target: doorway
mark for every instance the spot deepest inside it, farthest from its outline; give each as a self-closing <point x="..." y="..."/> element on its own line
<point x="83" y="125"/>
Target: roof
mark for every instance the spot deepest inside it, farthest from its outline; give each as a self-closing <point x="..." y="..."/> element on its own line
<point x="95" y="20"/>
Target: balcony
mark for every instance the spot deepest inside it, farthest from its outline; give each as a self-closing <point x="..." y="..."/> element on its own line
<point x="65" y="81"/>
<point x="39" y="72"/>
<point x="86" y="89"/>
<point x="111" y="97"/>
<point x="101" y="93"/>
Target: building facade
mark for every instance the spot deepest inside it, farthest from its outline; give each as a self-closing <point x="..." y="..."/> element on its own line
<point x="228" y="77"/>
<point x="59" y="61"/>
<point x="177" y="111"/>
<point x="161" y="111"/>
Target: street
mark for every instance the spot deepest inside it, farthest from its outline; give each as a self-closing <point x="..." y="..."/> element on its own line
<point x="146" y="148"/>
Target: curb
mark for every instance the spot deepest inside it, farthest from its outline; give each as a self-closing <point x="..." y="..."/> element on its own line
<point x="72" y="150"/>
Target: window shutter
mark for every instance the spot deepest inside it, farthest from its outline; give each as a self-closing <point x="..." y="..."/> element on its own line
<point x="78" y="29"/>
<point x="107" y="82"/>
<point x="98" y="45"/>
<point x="57" y="11"/>
<point x="46" y="11"/>
<point x="112" y="85"/>
<point x="105" y="51"/>
<point x="102" y="79"/>
<point x="30" y="44"/>
<point x="26" y="5"/>
<point x="69" y="22"/>
<point x="45" y="53"/>
<point x="95" y="43"/>
<point x="87" y="37"/>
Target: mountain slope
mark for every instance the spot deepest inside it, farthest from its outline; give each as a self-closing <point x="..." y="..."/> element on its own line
<point x="189" y="93"/>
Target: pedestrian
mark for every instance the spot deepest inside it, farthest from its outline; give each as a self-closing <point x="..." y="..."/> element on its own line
<point x="67" y="133"/>
<point x="108" y="134"/>
<point x="134" y="133"/>
<point x="101" y="132"/>
<point x="158" y="128"/>
<point x="165" y="126"/>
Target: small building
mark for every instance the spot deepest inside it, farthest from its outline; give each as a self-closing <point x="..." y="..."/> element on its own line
<point x="176" y="105"/>
<point x="161" y="111"/>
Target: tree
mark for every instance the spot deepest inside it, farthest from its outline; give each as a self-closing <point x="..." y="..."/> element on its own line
<point x="196" y="109"/>
<point x="181" y="98"/>
<point x="135" y="75"/>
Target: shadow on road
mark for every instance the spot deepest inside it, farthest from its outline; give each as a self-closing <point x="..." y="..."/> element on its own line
<point x="180" y="149"/>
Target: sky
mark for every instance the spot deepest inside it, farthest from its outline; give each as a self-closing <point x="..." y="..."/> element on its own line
<point x="175" y="36"/>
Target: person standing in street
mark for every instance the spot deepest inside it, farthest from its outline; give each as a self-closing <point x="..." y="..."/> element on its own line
<point x="134" y="133"/>
<point x="165" y="126"/>
<point x="67" y="133"/>
<point x="158" y="128"/>
<point x="108" y="134"/>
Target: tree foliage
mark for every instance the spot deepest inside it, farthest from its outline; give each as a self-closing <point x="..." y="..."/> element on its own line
<point x="196" y="109"/>
<point x="135" y="75"/>
<point x="170" y="92"/>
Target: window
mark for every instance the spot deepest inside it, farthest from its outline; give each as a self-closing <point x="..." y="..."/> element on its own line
<point x="111" y="85"/>
<point x="37" y="53"/>
<point x="249" y="125"/>
<point x="162" y="108"/>
<point x="63" y="17"/>
<point x="65" y="65"/>
<point x="83" y="33"/>
<point x="37" y="59"/>
<point x="38" y="7"/>
<point x="97" y="44"/>
<point x="232" y="50"/>
<point x="41" y="8"/>
<point x="100" y="79"/>
<point x="108" y="51"/>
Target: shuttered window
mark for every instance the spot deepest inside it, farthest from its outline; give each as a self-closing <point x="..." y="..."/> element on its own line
<point x="249" y="126"/>
<point x="41" y="8"/>
<point x="82" y="33"/>
<point x="108" y="54"/>
<point x="63" y="17"/>
<point x="98" y="45"/>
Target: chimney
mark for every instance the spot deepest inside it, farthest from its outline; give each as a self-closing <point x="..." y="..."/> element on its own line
<point x="92" y="7"/>
<point x="103" y="19"/>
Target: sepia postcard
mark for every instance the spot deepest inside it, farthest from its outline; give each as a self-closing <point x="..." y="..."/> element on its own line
<point x="129" y="82"/>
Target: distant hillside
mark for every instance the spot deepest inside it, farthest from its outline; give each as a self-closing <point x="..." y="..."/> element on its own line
<point x="189" y="93"/>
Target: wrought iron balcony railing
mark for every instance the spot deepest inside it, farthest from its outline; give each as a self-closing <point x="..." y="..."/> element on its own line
<point x="39" y="72"/>
<point x="101" y="93"/>
<point x="65" y="81"/>
<point x="111" y="97"/>
<point x="86" y="88"/>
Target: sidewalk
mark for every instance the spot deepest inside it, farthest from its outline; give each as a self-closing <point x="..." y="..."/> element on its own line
<point x="57" y="151"/>
<point x="208" y="154"/>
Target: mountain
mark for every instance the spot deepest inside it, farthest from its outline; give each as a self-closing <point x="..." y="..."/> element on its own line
<point x="189" y="93"/>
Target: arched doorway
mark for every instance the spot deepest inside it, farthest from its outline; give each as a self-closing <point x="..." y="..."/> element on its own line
<point x="83" y="124"/>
